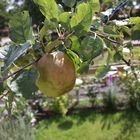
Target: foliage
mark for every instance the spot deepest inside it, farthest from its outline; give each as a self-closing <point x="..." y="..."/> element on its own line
<point x="60" y="104"/>
<point x="131" y="86"/>
<point x="20" y="82"/>
<point x="16" y="130"/>
<point x="30" y="6"/>
<point x="20" y="28"/>
<point x="81" y="30"/>
<point x="110" y="99"/>
<point x="4" y="16"/>
<point x="16" y="106"/>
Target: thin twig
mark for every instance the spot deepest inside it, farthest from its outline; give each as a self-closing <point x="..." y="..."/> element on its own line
<point x="4" y="94"/>
<point x="105" y="37"/>
<point x="134" y="63"/>
<point x="2" y="79"/>
<point x="128" y="63"/>
<point x="113" y="41"/>
<point x="109" y="39"/>
<point x="53" y="45"/>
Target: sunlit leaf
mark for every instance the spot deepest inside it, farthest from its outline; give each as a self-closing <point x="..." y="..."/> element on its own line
<point x="95" y="6"/>
<point x="75" y="44"/>
<point x="64" y="19"/>
<point x="81" y="20"/>
<point x="75" y="58"/>
<point x="134" y="20"/>
<point x="48" y="8"/>
<point x="126" y="29"/>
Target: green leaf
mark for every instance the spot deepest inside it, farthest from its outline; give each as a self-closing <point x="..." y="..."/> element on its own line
<point x="91" y="47"/>
<point x="117" y="56"/>
<point x="129" y="45"/>
<point x="95" y="6"/>
<point x="136" y="27"/>
<point x="64" y="19"/>
<point x="69" y="3"/>
<point x="20" y="27"/>
<point x="48" y="8"/>
<point x="111" y="31"/>
<point x="96" y="24"/>
<point x="53" y="44"/>
<point x="14" y="53"/>
<point x="81" y="20"/>
<point x="74" y="57"/>
<point x="102" y="71"/>
<point x="44" y="31"/>
<point x="75" y="44"/>
<point x="25" y="83"/>
<point x="126" y="29"/>
<point x="84" y="67"/>
<point x="134" y="20"/>
<point x="51" y="25"/>
<point x="136" y="32"/>
<point x="109" y="56"/>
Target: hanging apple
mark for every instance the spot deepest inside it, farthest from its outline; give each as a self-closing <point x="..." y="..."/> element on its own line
<point x="56" y="74"/>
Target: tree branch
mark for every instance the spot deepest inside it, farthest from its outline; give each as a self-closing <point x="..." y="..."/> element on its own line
<point x="134" y="63"/>
<point x="105" y="37"/>
<point x="4" y="94"/>
<point x="109" y="39"/>
<point x="113" y="41"/>
<point x="2" y="79"/>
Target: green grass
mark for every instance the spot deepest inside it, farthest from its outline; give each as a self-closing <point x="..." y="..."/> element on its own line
<point x="90" y="125"/>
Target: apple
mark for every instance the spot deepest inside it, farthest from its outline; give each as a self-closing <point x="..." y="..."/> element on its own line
<point x="56" y="74"/>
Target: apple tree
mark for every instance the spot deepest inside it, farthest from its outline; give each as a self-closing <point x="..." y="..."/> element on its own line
<point x="72" y="35"/>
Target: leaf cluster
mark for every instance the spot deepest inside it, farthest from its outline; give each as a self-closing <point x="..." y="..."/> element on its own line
<point x="83" y="31"/>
